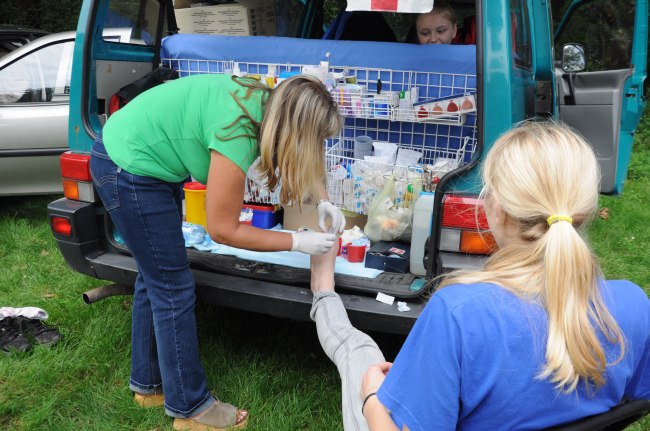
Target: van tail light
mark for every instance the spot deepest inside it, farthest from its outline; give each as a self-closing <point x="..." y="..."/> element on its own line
<point x="61" y="225"/>
<point x="464" y="226"/>
<point x="77" y="182"/>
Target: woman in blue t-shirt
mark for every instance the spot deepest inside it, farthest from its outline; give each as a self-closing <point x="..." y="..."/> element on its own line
<point x="534" y="339"/>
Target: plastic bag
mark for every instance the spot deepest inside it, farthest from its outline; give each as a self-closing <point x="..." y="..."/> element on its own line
<point x="390" y="216"/>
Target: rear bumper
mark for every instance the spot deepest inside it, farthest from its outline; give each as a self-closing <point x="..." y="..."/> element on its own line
<point x="87" y="253"/>
<point x="265" y="297"/>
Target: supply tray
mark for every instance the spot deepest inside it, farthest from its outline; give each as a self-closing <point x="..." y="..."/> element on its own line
<point x="450" y="135"/>
<point x="390" y="106"/>
<point x="353" y="183"/>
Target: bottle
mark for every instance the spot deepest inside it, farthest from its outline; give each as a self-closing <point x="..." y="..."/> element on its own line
<point x="422" y="214"/>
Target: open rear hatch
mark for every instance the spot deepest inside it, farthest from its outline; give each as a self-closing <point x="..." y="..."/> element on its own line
<point x="410" y="81"/>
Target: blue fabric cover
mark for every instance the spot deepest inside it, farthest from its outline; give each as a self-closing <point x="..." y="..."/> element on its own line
<point x="457" y="59"/>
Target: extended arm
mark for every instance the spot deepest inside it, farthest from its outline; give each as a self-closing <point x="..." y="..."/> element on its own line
<point x="374" y="411"/>
<point x="224" y="198"/>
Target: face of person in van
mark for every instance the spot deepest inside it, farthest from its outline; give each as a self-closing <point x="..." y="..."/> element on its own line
<point x="435" y="28"/>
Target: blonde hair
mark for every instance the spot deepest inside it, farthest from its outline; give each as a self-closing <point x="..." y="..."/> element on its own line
<point x="534" y="171"/>
<point x="300" y="114"/>
<point x="246" y="120"/>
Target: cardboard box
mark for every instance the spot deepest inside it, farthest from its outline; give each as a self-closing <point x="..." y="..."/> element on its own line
<point x="294" y="218"/>
<point x="245" y="18"/>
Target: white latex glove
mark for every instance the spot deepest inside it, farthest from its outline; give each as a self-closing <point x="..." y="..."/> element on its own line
<point x="313" y="242"/>
<point x="328" y="209"/>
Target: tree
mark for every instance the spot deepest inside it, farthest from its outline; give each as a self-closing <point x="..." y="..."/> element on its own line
<point x="54" y="17"/>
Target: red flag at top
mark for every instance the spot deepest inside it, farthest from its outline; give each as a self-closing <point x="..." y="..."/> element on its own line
<point x="408" y="6"/>
<point x="390" y="5"/>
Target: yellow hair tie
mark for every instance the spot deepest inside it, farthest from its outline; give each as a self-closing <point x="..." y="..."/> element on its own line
<point x="555" y="218"/>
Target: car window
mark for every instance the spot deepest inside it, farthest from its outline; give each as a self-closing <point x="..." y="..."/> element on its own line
<point x="9" y="43"/>
<point x="41" y="76"/>
<point x="287" y="17"/>
<point x="520" y="28"/>
<point x="124" y="23"/>
<point x="605" y="29"/>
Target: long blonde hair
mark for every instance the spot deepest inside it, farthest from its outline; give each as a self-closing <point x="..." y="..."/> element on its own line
<point x="534" y="171"/>
<point x="300" y="114"/>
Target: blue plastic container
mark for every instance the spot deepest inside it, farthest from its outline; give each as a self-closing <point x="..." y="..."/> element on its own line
<point x="264" y="216"/>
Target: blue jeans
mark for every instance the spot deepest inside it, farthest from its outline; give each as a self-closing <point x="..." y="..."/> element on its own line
<point x="165" y="352"/>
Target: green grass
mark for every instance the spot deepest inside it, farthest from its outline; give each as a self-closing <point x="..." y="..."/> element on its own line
<point x="621" y="241"/>
<point x="273" y="367"/>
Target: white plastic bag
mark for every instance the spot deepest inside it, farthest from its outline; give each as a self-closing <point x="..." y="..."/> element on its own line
<point x="391" y="218"/>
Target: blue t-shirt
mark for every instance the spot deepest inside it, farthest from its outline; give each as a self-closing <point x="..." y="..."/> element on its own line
<point x="471" y="361"/>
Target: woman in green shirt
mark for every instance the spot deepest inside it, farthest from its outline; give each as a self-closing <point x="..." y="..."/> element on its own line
<point x="211" y="127"/>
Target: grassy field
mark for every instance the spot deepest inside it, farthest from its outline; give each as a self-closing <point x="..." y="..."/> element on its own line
<point x="273" y="367"/>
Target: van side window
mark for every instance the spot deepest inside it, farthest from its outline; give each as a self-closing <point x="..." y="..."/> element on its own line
<point x="124" y="23"/>
<point x="520" y="28"/>
<point x="42" y="76"/>
<point x="605" y="28"/>
<point x="287" y="17"/>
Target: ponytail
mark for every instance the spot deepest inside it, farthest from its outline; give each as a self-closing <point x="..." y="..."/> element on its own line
<point x="574" y="306"/>
<point x="545" y="179"/>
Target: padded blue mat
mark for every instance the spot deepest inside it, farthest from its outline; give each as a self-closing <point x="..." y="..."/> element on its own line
<point x="456" y="59"/>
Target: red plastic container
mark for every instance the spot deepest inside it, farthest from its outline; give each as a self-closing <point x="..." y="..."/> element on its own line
<point x="356" y="253"/>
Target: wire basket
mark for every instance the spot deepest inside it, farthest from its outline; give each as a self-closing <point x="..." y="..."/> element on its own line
<point x="353" y="183"/>
<point x="405" y="107"/>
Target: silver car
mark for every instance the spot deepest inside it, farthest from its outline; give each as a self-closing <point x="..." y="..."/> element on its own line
<point x="34" y="104"/>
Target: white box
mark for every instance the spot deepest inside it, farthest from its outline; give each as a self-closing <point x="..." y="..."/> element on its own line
<point x="245" y="18"/>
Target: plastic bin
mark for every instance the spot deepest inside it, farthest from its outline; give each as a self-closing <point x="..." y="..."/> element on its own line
<point x="195" y="203"/>
<point x="421" y="231"/>
<point x="264" y="216"/>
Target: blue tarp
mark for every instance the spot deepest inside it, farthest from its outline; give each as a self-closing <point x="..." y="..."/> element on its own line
<point x="456" y="59"/>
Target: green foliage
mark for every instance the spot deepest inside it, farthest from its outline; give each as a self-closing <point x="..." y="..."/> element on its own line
<point x="58" y="16"/>
<point x="605" y="29"/>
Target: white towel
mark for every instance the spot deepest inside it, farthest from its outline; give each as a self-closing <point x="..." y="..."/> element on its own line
<point x="29" y="312"/>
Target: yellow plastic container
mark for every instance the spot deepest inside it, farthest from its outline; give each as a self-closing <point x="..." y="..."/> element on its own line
<point x="195" y="203"/>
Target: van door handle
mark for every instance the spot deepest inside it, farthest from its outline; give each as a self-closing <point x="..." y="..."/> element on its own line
<point x="569" y="99"/>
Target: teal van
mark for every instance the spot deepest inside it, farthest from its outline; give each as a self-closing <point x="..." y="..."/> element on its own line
<point x="582" y="62"/>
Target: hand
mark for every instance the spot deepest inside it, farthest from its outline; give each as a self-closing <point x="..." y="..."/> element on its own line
<point x="328" y="209"/>
<point x="313" y="242"/>
<point x="374" y="377"/>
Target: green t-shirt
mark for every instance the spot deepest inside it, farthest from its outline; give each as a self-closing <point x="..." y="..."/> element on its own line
<point x="167" y="132"/>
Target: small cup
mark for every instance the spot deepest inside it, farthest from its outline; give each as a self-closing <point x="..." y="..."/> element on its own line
<point x="356" y="253"/>
<point x="362" y="147"/>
